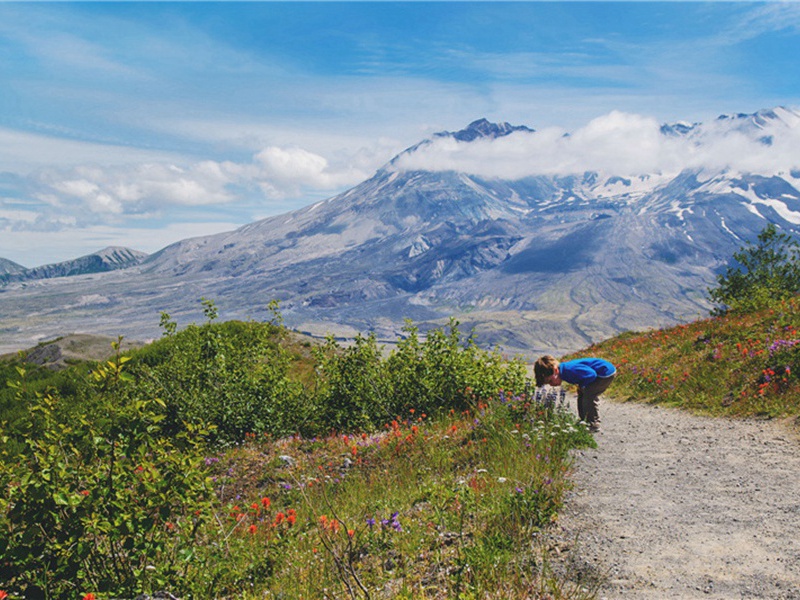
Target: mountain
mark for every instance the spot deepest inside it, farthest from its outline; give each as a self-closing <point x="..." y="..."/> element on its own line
<point x="108" y="259"/>
<point x="8" y="267"/>
<point x="542" y="263"/>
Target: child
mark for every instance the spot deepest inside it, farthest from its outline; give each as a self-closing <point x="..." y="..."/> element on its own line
<point x="591" y="375"/>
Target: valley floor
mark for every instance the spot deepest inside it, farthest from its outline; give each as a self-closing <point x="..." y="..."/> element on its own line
<point x="675" y="506"/>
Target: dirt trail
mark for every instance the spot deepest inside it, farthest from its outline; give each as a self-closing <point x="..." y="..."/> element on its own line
<point x="675" y="506"/>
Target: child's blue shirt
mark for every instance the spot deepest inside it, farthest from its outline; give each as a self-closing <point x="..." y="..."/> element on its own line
<point x="584" y="371"/>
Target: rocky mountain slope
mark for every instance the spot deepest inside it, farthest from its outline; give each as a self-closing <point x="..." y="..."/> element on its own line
<point x="8" y="267"/>
<point x="108" y="259"/>
<point x="541" y="263"/>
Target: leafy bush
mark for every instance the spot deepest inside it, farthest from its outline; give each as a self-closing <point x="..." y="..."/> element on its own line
<point x="102" y="501"/>
<point x="234" y="376"/>
<point x="767" y="272"/>
<point x="361" y="390"/>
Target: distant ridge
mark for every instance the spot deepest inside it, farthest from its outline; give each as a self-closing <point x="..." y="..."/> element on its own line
<point x="9" y="267"/>
<point x="107" y="259"/>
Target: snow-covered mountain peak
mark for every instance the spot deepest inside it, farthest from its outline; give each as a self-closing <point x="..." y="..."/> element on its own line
<point x="768" y="118"/>
<point x="482" y="128"/>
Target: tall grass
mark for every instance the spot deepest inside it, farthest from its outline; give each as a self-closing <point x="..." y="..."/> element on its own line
<point x="740" y="364"/>
<point x="448" y="508"/>
<point x="132" y="478"/>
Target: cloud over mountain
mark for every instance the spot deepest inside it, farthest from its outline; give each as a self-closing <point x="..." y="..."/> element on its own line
<point x="622" y="144"/>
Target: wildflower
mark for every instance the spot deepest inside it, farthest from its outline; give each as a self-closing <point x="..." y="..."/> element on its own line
<point x="279" y="518"/>
<point x="392" y="522"/>
<point x="370" y="522"/>
<point x="88" y="596"/>
<point x="265" y="502"/>
<point x="501" y="480"/>
<point x="351" y="532"/>
<point x="3" y="595"/>
<point x="82" y="493"/>
<point x="252" y="529"/>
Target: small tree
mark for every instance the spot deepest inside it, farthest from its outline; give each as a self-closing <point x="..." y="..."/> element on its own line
<point x="764" y="272"/>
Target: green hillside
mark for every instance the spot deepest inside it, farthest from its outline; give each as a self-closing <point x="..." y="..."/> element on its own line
<point x="237" y="460"/>
<point x="740" y="364"/>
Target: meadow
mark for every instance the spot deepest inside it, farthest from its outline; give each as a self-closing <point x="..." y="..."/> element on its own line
<point x="737" y="364"/>
<point x="240" y="460"/>
<point x="237" y="460"/>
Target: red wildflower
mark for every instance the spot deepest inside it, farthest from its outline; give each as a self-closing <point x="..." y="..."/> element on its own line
<point x="265" y="502"/>
<point x="3" y="595"/>
<point x="89" y="596"/>
<point x="252" y="528"/>
<point x="351" y="532"/>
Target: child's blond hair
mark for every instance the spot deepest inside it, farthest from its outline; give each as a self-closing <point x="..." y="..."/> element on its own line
<point x="543" y="368"/>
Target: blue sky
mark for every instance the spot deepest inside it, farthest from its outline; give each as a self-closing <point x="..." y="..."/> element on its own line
<point x="140" y="124"/>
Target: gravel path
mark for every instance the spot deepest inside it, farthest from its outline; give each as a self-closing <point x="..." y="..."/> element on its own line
<point x="675" y="506"/>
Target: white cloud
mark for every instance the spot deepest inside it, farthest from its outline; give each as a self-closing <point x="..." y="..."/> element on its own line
<point x="618" y="143"/>
<point x="96" y="193"/>
<point x="288" y="171"/>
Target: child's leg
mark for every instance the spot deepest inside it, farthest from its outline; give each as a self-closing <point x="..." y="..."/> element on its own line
<point x="589" y="397"/>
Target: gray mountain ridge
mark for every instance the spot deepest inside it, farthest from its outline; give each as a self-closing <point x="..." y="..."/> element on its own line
<point x="107" y="259"/>
<point x="544" y="263"/>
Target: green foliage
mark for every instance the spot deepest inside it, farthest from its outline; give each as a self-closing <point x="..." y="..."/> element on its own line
<point x="767" y="272"/>
<point x="103" y="501"/>
<point x="361" y="390"/>
<point x="110" y="484"/>
<point x="233" y="375"/>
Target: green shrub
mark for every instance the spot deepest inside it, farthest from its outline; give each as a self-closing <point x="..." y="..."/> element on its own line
<point x="233" y="375"/>
<point x="361" y="390"/>
<point x="765" y="273"/>
<point x="100" y="502"/>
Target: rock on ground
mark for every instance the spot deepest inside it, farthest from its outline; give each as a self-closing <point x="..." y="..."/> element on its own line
<point x="676" y="506"/>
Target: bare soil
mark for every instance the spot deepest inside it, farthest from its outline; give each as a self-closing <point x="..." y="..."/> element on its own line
<point x="675" y="506"/>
